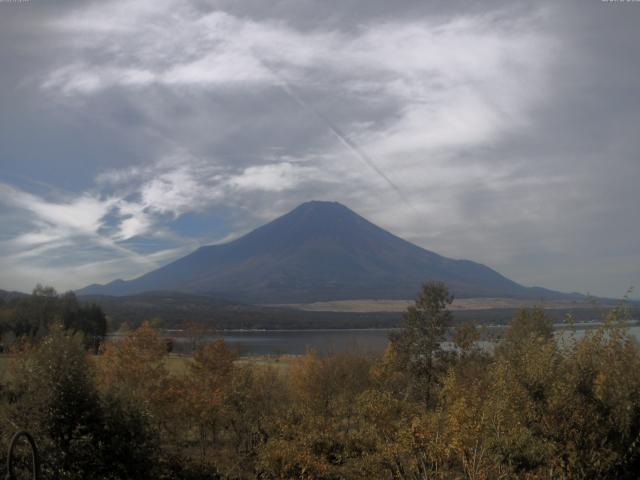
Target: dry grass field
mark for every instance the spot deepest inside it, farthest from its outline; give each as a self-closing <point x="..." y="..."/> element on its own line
<point x="176" y="364"/>
<point x="379" y="305"/>
<point x="179" y="364"/>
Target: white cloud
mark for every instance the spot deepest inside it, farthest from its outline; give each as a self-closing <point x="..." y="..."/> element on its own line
<point x="80" y="216"/>
<point x="76" y="229"/>
<point x="456" y="83"/>
<point x="275" y="177"/>
<point x="427" y="99"/>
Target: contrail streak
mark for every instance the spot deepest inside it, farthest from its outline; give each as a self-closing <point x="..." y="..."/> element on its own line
<point x="334" y="129"/>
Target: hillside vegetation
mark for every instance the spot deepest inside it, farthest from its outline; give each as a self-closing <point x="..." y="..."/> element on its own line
<point x="534" y="408"/>
<point x="174" y="310"/>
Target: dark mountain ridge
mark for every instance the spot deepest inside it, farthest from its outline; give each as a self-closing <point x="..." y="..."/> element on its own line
<point x="318" y="251"/>
<point x="11" y="295"/>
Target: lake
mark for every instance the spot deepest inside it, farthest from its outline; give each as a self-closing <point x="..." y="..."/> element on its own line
<point x="297" y="342"/>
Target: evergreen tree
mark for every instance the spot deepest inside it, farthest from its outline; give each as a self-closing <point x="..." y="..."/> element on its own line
<point x="418" y="341"/>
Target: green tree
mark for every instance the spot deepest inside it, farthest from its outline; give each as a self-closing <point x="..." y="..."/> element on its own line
<point x="35" y="313"/>
<point x="80" y="434"/>
<point x="88" y="319"/>
<point x="31" y="316"/>
<point x="57" y="401"/>
<point x="423" y="328"/>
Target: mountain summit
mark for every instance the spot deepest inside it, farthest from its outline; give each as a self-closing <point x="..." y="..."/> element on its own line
<point x="318" y="251"/>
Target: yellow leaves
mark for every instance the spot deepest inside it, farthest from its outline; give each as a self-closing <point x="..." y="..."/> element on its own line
<point x="203" y="394"/>
<point x="336" y="425"/>
<point x="324" y="384"/>
<point x="288" y="460"/>
<point x="466" y="430"/>
<point x="379" y="413"/>
<point x="465" y="336"/>
<point x="213" y="362"/>
<point x="208" y="381"/>
<point x="134" y="365"/>
<point x="535" y="410"/>
<point x="389" y="372"/>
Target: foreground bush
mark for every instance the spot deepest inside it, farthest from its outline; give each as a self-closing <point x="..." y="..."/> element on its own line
<point x="536" y="408"/>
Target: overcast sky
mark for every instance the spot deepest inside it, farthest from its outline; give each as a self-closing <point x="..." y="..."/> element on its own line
<point x="503" y="132"/>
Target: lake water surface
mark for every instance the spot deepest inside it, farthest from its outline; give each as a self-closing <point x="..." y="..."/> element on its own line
<point x="298" y="342"/>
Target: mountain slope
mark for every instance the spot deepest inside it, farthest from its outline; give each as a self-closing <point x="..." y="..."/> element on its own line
<point x="318" y="251"/>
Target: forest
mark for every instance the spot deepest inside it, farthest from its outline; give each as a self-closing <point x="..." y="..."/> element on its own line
<point x="534" y="407"/>
<point x="173" y="310"/>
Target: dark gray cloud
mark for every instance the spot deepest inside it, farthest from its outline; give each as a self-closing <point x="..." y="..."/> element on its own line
<point x="510" y="128"/>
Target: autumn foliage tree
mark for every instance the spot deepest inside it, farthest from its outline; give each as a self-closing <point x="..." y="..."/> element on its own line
<point x="206" y="388"/>
<point x="134" y="366"/>
<point x="540" y="405"/>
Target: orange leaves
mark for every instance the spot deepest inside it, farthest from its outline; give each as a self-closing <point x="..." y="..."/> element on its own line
<point x="209" y="379"/>
<point x="134" y="365"/>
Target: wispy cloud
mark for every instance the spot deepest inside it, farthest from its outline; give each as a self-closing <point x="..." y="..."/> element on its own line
<point x="452" y="83"/>
<point x="457" y="82"/>
<point x="138" y="203"/>
<point x="167" y="124"/>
